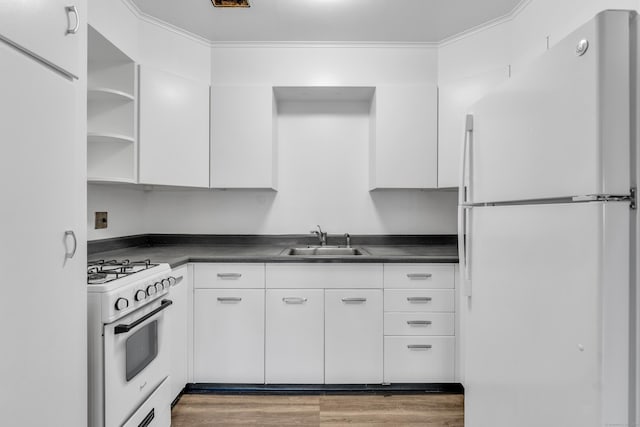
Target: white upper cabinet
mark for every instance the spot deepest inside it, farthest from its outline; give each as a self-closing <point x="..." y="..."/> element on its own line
<point x="403" y="142"/>
<point x="454" y="100"/>
<point x="51" y="30"/>
<point x="243" y="137"/>
<point x="174" y="129"/>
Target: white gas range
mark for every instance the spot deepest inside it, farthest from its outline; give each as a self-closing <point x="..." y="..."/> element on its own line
<point x="128" y="353"/>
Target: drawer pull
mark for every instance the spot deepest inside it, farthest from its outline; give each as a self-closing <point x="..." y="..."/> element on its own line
<point x="419" y="276"/>
<point x="230" y="276"/>
<point x="419" y="346"/>
<point x="419" y="299"/>
<point x="355" y="300"/>
<point x="294" y="300"/>
<point x="229" y="299"/>
<point x="419" y="322"/>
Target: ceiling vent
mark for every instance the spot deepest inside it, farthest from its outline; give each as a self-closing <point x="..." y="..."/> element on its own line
<point x="230" y="3"/>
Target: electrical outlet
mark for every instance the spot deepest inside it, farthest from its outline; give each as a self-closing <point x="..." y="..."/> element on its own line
<point x="101" y="220"/>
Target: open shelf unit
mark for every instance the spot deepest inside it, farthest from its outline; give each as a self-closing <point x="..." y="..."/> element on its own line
<point x="111" y="113"/>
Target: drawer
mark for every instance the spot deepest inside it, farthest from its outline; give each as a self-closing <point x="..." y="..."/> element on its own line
<point x="324" y="276"/>
<point x="419" y="300"/>
<point x="230" y="275"/>
<point x="419" y="276"/>
<point x="419" y="324"/>
<point x="419" y="359"/>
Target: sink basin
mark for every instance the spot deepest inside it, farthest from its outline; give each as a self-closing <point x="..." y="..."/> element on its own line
<point x="325" y="250"/>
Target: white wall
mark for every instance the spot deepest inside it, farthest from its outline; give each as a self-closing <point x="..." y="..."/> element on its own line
<point x="126" y="208"/>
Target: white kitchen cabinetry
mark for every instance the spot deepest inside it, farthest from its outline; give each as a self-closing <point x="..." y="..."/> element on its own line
<point x="43" y="309"/>
<point x="419" y="323"/>
<point x="403" y="150"/>
<point x="50" y="30"/>
<point x="111" y="113"/>
<point x="178" y="321"/>
<point x="454" y="100"/>
<point x="243" y="137"/>
<point x="174" y="129"/>
<point x="294" y="339"/>
<point x="229" y="323"/>
<point x="353" y="336"/>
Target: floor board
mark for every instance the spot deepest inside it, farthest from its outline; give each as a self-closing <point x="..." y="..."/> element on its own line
<point x="432" y="410"/>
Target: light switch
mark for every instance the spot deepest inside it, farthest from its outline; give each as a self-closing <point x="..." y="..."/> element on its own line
<point x="101" y="220"/>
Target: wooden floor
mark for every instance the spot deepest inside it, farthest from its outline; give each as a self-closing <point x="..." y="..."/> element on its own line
<point x="431" y="410"/>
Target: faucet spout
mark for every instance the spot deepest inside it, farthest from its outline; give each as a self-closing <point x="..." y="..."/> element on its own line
<point x="321" y="235"/>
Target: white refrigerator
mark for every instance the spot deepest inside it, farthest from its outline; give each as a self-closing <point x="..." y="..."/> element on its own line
<point x="547" y="225"/>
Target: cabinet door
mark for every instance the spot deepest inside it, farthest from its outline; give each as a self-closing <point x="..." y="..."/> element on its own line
<point x="404" y="146"/>
<point x="177" y="319"/>
<point x="43" y="309"/>
<point x="243" y="140"/>
<point x="41" y="28"/>
<point x="229" y="335"/>
<point x="294" y="339"/>
<point x="353" y="336"/>
<point x="174" y="129"/>
<point x="454" y="100"/>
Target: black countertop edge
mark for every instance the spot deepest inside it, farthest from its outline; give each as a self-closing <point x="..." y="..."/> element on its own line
<point x="149" y="240"/>
<point x="324" y="389"/>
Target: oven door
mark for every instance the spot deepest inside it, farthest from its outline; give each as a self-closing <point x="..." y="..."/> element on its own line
<point x="135" y="360"/>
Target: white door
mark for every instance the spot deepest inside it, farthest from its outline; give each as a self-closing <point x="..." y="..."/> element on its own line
<point x="43" y="307"/>
<point x="229" y="335"/>
<point x="294" y="338"/>
<point x="353" y="336"/>
<point x="174" y="129"/>
<point x="50" y="29"/>
<point x="561" y="127"/>
<point x="547" y="323"/>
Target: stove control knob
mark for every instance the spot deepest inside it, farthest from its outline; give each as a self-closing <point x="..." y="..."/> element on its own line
<point x="166" y="283"/>
<point x="140" y="295"/>
<point x="151" y="289"/>
<point x="158" y="286"/>
<point x="122" y="303"/>
<point x="172" y="280"/>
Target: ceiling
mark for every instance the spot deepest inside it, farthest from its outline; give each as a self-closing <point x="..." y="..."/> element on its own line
<point x="409" y="21"/>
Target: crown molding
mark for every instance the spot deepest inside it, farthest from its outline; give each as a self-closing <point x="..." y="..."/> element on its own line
<point x="326" y="44"/>
<point x="487" y="25"/>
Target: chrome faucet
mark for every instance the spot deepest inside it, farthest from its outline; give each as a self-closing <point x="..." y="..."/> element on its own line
<point x="321" y="235"/>
<point x="347" y="236"/>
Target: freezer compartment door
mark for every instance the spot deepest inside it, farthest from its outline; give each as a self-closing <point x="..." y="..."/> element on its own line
<point x="560" y="127"/>
<point x="547" y="323"/>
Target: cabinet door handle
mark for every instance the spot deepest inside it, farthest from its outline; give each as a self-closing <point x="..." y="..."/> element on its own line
<point x="419" y="346"/>
<point x="419" y="322"/>
<point x="294" y="300"/>
<point x="419" y="276"/>
<point x="75" y="243"/>
<point x="356" y="300"/>
<point x="230" y="276"/>
<point x="229" y="299"/>
<point x="419" y="299"/>
<point x="74" y="10"/>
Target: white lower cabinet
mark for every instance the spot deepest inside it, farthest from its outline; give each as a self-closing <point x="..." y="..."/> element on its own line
<point x="229" y="335"/>
<point x="294" y="338"/>
<point x="353" y="336"/>
<point x="418" y="359"/>
<point x="178" y="321"/>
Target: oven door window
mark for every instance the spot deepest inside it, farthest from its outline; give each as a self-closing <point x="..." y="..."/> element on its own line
<point x="141" y="349"/>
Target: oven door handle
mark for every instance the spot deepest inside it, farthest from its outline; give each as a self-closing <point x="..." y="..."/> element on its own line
<point x="123" y="329"/>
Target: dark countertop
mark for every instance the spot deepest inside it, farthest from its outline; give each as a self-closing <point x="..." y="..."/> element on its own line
<point x="181" y="252"/>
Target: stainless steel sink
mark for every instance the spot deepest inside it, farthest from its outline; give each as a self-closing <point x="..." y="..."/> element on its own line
<point x="325" y="250"/>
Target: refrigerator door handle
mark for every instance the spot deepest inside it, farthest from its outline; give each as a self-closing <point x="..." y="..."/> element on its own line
<point x="464" y="211"/>
<point x="464" y="245"/>
<point x="464" y="191"/>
